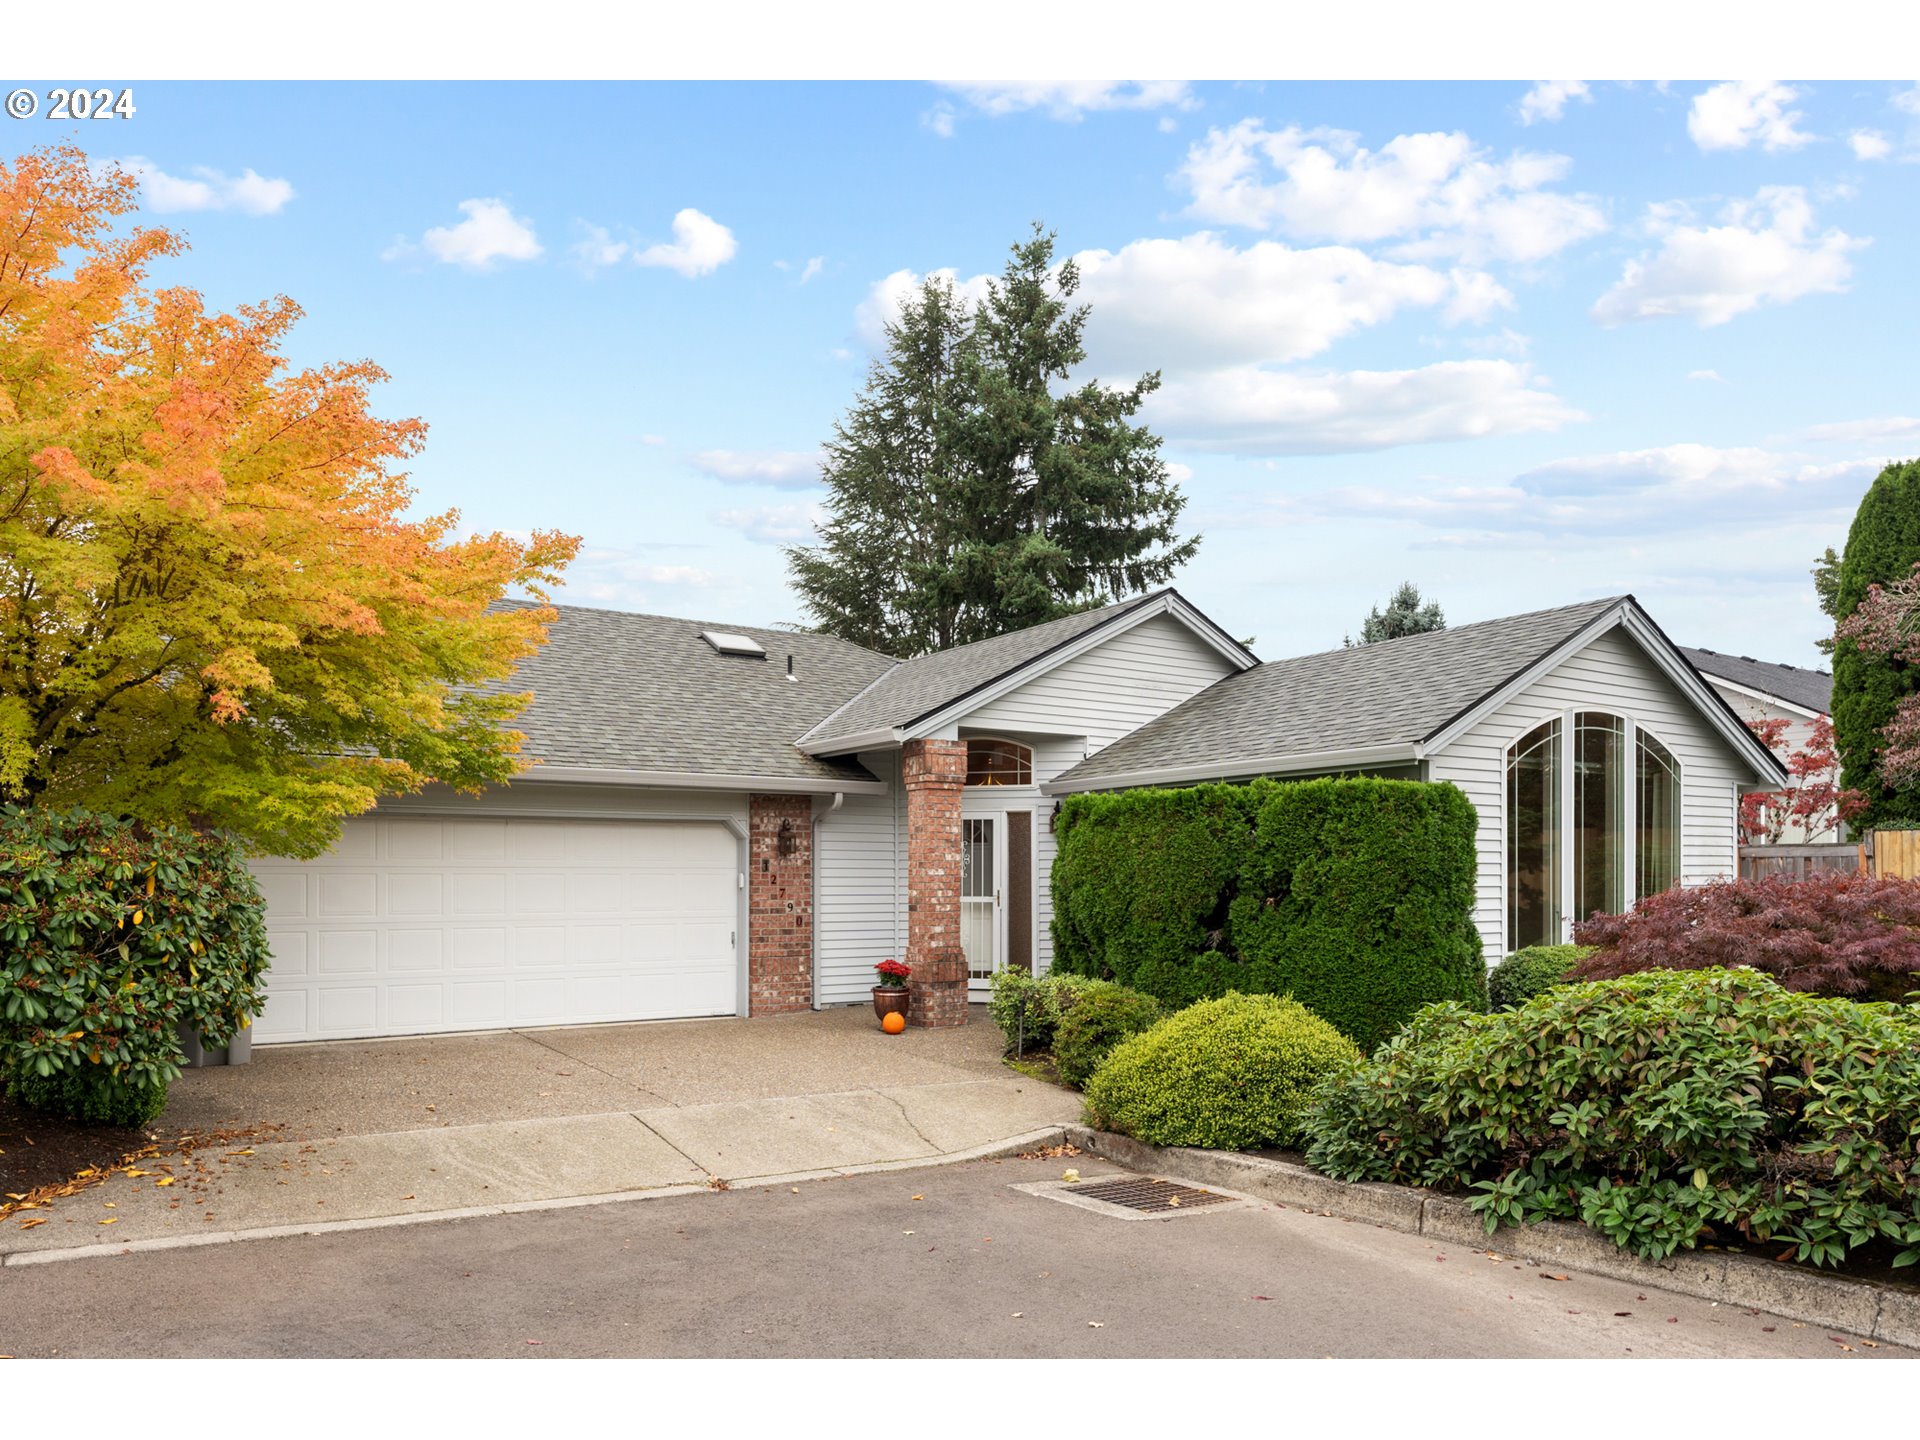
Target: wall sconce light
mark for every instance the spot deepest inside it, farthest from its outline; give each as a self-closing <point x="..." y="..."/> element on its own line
<point x="789" y="840"/>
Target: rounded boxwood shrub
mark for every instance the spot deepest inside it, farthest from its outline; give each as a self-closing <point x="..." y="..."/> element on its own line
<point x="1044" y="996"/>
<point x="1095" y="1017"/>
<point x="1226" y="1074"/>
<point x="1661" y="1108"/>
<point x="1526" y="973"/>
<point x="113" y="935"/>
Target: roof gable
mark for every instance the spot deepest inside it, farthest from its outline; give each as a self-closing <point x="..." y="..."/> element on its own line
<point x="1383" y="704"/>
<point x="917" y="696"/>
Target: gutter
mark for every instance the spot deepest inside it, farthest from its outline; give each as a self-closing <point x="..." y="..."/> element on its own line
<point x="882" y="739"/>
<point x="1315" y="761"/>
<point x="684" y="780"/>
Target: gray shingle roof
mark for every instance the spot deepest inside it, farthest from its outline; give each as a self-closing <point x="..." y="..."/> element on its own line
<point x="916" y="688"/>
<point x="1394" y="692"/>
<point x="644" y="692"/>
<point x="1809" y="689"/>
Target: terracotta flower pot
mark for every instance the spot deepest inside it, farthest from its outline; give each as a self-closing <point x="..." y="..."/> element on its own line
<point x="889" y="1000"/>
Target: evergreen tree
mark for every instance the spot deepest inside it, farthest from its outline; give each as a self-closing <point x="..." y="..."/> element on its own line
<point x="1882" y="547"/>
<point x="1405" y="614"/>
<point x="972" y="490"/>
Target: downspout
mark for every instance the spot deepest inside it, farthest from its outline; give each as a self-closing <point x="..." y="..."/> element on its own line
<point x="813" y="884"/>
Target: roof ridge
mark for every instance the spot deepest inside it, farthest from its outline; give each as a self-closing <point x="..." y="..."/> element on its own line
<point x="728" y="625"/>
<point x="1435" y="635"/>
<point x="1117" y="606"/>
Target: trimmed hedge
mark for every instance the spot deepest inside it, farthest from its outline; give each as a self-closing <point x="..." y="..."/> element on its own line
<point x="92" y="1095"/>
<point x="1355" y="896"/>
<point x="1662" y="1109"/>
<point x="112" y="935"/>
<point x="1529" y="972"/>
<point x="1094" y="1018"/>
<point x="1226" y="1074"/>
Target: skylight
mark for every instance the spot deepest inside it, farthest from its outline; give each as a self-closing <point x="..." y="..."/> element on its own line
<point x="730" y="644"/>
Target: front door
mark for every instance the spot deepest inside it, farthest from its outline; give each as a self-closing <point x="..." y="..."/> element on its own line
<point x="996" y="895"/>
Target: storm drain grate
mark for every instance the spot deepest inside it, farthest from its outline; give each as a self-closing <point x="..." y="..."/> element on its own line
<point x="1148" y="1195"/>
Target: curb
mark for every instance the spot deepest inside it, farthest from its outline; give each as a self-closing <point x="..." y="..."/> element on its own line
<point x="1858" y="1307"/>
<point x="993" y="1150"/>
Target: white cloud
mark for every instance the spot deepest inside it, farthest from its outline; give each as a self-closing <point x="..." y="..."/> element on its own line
<point x="1869" y="145"/>
<point x="940" y="120"/>
<point x="811" y="270"/>
<point x="1071" y="100"/>
<point x="1713" y="376"/>
<point x="1764" y="252"/>
<point x="653" y="439"/>
<point x="1885" y="428"/>
<point x="1436" y="193"/>
<point x="1668" y="490"/>
<point x="1733" y="115"/>
<point x="1547" y="100"/>
<point x="1907" y="100"/>
<point x="249" y="192"/>
<point x="621" y="580"/>
<point x="598" y="249"/>
<point x="1252" y="411"/>
<point x="774" y="524"/>
<point x="1201" y="302"/>
<point x="700" y="246"/>
<point x="490" y="232"/>
<point x="782" y="469"/>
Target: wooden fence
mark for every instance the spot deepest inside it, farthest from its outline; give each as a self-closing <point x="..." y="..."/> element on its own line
<point x="1893" y="853"/>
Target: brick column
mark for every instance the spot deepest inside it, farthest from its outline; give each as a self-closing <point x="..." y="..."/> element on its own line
<point x="779" y="904"/>
<point x="934" y="772"/>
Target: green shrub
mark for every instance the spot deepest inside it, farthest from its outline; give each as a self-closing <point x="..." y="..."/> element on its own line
<point x="92" y="1094"/>
<point x="1096" y="1017"/>
<point x="1355" y="896"/>
<point x="1526" y="973"/>
<point x="112" y="935"/>
<point x="1043" y="996"/>
<point x="1660" y="1108"/>
<point x="1225" y="1074"/>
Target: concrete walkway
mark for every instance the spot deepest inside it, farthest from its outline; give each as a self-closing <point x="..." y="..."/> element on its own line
<point x="316" y="1135"/>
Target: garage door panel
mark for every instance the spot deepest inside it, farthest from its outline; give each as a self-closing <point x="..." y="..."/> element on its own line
<point x="416" y="924"/>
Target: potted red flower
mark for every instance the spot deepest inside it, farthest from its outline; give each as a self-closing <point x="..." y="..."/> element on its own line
<point x="890" y="995"/>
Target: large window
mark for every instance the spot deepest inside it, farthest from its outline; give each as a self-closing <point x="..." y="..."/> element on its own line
<point x="1533" y="838"/>
<point x="1657" y="825"/>
<point x="1584" y="831"/>
<point x="998" y="762"/>
<point x="1599" y="814"/>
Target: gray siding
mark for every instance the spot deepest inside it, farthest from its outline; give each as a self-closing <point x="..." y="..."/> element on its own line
<point x="1613" y="674"/>
<point x="1111" y="690"/>
<point x="859" y="887"/>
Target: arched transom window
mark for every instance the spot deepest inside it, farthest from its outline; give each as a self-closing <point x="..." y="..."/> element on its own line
<point x="998" y="762"/>
<point x="1584" y="831"/>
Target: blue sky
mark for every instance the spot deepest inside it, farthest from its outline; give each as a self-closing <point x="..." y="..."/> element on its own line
<point x="1522" y="345"/>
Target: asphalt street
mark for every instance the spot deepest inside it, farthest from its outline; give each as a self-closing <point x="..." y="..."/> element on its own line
<point x="944" y="1261"/>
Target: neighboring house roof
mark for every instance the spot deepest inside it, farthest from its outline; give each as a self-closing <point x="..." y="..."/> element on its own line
<point x="917" y="691"/>
<point x="1381" y="704"/>
<point x="643" y="699"/>
<point x="1810" y="690"/>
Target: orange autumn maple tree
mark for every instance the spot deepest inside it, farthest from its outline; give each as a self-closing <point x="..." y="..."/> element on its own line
<point x="215" y="608"/>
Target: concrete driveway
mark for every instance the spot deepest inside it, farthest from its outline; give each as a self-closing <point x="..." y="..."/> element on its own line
<point x="367" y="1132"/>
<point x="947" y="1261"/>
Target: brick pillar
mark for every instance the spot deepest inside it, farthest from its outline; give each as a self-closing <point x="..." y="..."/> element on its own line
<point x="934" y="772"/>
<point x="779" y="904"/>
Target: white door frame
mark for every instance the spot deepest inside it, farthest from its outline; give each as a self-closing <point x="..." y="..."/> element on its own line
<point x="996" y="823"/>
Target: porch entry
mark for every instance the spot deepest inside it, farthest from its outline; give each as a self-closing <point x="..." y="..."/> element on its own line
<point x="996" y="895"/>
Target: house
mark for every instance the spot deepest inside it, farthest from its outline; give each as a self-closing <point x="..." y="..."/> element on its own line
<point x="1798" y="699"/>
<point x="743" y="821"/>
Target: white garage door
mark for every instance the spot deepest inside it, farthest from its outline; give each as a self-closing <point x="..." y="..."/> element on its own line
<point x="417" y="924"/>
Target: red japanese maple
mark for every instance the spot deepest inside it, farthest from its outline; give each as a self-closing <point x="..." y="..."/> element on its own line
<point x="1812" y="796"/>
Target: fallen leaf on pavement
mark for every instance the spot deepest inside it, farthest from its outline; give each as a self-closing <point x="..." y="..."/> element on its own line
<point x="1545" y="1276"/>
<point x="33" y="1220"/>
<point x="111" y="1220"/>
<point x="1096" y="1324"/>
